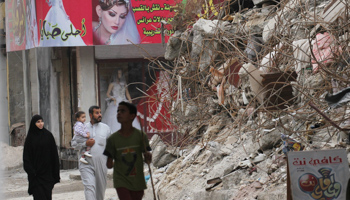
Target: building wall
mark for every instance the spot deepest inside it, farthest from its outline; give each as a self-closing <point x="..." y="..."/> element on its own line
<point x="34" y="81"/>
<point x="16" y="87"/>
<point x="4" y="129"/>
<point x="54" y="106"/>
<point x="33" y="89"/>
<point x="86" y="78"/>
<point x="44" y="72"/>
<point x="27" y="89"/>
<point x="48" y="92"/>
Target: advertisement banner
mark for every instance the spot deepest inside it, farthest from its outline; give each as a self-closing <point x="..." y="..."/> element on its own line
<point x="16" y="24"/>
<point x="320" y="174"/>
<point x="55" y="23"/>
<point x="60" y="23"/>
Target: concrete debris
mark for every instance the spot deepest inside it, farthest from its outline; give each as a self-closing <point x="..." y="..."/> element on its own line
<point x="334" y="10"/>
<point x="177" y="45"/>
<point x="210" y="28"/>
<point x="254" y="47"/>
<point x="301" y="52"/>
<point x="165" y="160"/>
<point x="252" y="76"/>
<point x="11" y="157"/>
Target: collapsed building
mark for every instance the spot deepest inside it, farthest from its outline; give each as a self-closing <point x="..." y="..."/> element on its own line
<point x="246" y="85"/>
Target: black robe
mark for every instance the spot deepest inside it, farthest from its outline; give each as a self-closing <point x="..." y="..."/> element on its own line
<point x="40" y="158"/>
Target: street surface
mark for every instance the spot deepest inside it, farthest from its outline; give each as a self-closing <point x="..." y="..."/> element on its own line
<point x="15" y="185"/>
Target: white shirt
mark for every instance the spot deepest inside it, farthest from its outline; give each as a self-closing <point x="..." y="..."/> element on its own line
<point x="99" y="132"/>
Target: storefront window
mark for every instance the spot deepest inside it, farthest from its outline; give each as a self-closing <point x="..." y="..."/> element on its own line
<point x="142" y="84"/>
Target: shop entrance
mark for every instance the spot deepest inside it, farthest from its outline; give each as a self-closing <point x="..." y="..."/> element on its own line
<point x="143" y="84"/>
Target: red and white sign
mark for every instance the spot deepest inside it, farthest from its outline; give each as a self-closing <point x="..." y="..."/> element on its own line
<point x="319" y="174"/>
<point x="54" y="23"/>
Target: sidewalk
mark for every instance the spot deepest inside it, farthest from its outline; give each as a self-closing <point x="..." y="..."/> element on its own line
<point x="15" y="186"/>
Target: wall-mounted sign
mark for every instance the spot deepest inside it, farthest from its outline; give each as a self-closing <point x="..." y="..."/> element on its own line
<point x="320" y="174"/>
<point x="54" y="23"/>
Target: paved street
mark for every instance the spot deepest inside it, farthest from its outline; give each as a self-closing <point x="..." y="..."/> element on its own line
<point x="15" y="185"/>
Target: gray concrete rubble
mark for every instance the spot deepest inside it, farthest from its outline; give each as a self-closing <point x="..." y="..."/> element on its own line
<point x="232" y="125"/>
<point x="230" y="130"/>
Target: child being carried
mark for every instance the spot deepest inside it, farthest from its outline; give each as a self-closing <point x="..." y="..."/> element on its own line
<point x="81" y="132"/>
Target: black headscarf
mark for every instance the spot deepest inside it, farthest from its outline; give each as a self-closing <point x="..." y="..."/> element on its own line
<point x="40" y="157"/>
<point x="33" y="129"/>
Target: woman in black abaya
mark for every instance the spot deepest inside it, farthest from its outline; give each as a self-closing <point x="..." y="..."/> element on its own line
<point x="40" y="160"/>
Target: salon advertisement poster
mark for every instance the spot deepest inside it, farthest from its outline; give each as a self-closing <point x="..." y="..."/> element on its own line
<point x="15" y="25"/>
<point x="322" y="174"/>
<point x="55" y="23"/>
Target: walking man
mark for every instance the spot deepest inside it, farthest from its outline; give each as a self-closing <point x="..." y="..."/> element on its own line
<point x="124" y="150"/>
<point x="94" y="174"/>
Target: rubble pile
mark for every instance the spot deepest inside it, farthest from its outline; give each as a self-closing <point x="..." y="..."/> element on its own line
<point x="11" y="156"/>
<point x="254" y="83"/>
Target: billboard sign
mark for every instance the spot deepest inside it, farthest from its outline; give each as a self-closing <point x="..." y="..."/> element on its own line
<point x="55" y="23"/>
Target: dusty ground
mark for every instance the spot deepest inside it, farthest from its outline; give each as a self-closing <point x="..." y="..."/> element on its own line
<point x="14" y="183"/>
<point x="14" y="186"/>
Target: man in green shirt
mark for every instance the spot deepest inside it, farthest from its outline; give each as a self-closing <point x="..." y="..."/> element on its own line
<point x="124" y="150"/>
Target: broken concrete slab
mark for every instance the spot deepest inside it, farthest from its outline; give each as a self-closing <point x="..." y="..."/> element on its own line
<point x="158" y="152"/>
<point x="254" y="47"/>
<point x="301" y="52"/>
<point x="334" y="10"/>
<point x="268" y="141"/>
<point x="178" y="44"/>
<point x="255" y="79"/>
<point x="173" y="46"/>
<point x="209" y="28"/>
<point x="165" y="160"/>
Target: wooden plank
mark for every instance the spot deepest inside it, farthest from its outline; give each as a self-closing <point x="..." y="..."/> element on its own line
<point x="275" y="86"/>
<point x="278" y="92"/>
<point x="279" y="77"/>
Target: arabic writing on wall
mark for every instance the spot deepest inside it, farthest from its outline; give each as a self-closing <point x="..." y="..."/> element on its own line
<point x="149" y="15"/>
<point x="314" y="162"/>
<point x="154" y="7"/>
<point x="58" y="32"/>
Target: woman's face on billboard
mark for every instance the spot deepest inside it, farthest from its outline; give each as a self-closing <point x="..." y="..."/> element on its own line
<point x="114" y="18"/>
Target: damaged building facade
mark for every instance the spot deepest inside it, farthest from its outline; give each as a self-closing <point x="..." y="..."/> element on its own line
<point x="246" y="84"/>
<point x="263" y="81"/>
<point x="3" y="83"/>
<point x="56" y="80"/>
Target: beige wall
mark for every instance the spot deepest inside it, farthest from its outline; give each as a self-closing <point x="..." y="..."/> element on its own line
<point x="4" y="129"/>
<point x="86" y="79"/>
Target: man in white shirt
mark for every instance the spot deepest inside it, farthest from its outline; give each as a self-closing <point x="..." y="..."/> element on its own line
<point x="94" y="174"/>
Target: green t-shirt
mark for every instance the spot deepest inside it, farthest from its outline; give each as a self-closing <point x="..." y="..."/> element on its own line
<point x="128" y="160"/>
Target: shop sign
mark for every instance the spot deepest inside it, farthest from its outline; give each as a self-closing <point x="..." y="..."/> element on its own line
<point x="55" y="23"/>
<point x="320" y="174"/>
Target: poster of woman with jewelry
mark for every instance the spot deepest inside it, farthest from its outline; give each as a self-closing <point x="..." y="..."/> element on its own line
<point x="117" y="22"/>
<point x="55" y="23"/>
